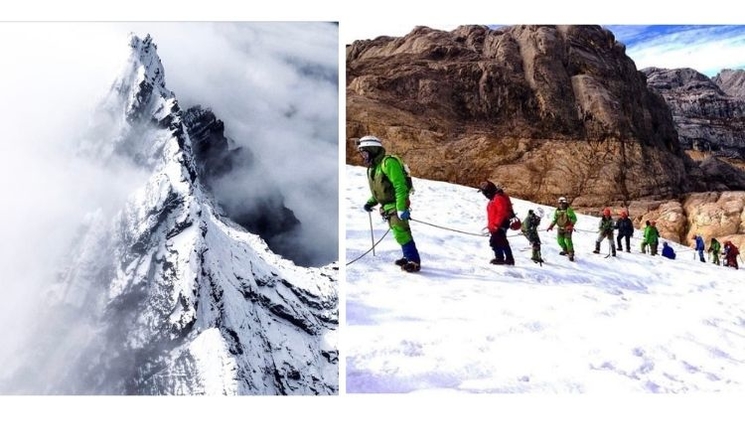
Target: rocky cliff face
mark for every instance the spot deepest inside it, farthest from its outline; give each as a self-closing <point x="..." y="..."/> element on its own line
<point x="544" y="110"/>
<point x="732" y="82"/>
<point x="706" y="117"/>
<point x="169" y="296"/>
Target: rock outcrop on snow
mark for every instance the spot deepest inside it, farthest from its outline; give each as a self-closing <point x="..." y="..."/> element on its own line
<point x="169" y="296"/>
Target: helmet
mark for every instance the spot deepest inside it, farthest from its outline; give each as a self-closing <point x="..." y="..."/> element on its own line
<point x="652" y="223"/>
<point x="624" y="214"/>
<point x="562" y="200"/>
<point x="606" y="212"/>
<point x="369" y="141"/>
<point x="370" y="148"/>
<point x="539" y="212"/>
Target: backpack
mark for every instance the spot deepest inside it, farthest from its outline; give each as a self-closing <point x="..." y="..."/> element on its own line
<point x="407" y="171"/>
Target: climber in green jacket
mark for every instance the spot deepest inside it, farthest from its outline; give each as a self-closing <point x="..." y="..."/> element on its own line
<point x="651" y="238"/>
<point x="564" y="219"/>
<point x="390" y="189"/>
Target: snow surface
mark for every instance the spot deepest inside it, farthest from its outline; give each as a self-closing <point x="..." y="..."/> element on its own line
<point x="634" y="323"/>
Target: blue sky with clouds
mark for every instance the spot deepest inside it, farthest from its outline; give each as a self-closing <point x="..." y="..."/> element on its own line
<point x="705" y="48"/>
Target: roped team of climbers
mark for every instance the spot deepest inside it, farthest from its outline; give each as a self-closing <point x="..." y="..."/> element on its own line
<point x="387" y="179"/>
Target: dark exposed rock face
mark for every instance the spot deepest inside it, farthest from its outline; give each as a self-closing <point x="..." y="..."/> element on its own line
<point x="545" y="110"/>
<point x="707" y="118"/>
<point x="216" y="157"/>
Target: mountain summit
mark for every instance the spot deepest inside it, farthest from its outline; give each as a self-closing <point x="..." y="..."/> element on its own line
<point x="168" y="295"/>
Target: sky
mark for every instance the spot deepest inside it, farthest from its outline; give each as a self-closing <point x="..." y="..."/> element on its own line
<point x="628" y="326"/>
<point x="705" y="48"/>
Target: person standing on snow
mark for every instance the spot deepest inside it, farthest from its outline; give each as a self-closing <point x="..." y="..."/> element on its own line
<point x="667" y="251"/>
<point x="625" y="228"/>
<point x="387" y="180"/>
<point x="730" y="255"/>
<point x="699" y="247"/>
<point x="651" y="238"/>
<point x="530" y="231"/>
<point x="499" y="213"/>
<point x="714" y="248"/>
<point x="606" y="231"/>
<point x="564" y="218"/>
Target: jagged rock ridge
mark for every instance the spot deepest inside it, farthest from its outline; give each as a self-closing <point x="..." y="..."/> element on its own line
<point x="169" y="297"/>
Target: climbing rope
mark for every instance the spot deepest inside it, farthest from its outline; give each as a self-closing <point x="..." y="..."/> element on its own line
<point x="371" y="248"/>
<point x="449" y="229"/>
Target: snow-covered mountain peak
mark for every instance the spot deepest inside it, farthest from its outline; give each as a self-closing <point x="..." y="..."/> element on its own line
<point x="146" y="52"/>
<point x="137" y="103"/>
<point x="167" y="296"/>
<point x="141" y="84"/>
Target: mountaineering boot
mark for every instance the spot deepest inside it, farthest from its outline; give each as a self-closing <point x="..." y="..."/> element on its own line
<point x="613" y="253"/>
<point x="597" y="248"/>
<point x="400" y="262"/>
<point x="411" y="267"/>
<point x="411" y="253"/>
<point x="496" y="261"/>
<point x="509" y="259"/>
<point x="562" y="253"/>
<point x="571" y="257"/>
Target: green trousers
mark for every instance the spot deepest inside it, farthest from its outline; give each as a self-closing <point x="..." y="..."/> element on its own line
<point x="400" y="228"/>
<point x="564" y="238"/>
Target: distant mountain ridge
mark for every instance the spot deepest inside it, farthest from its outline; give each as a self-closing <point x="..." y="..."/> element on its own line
<point x="732" y="82"/>
<point x="709" y="114"/>
<point x="170" y="296"/>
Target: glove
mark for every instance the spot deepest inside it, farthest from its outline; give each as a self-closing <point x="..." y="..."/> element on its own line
<point x="570" y="227"/>
<point x="404" y="215"/>
<point x="550" y="227"/>
<point x="369" y="207"/>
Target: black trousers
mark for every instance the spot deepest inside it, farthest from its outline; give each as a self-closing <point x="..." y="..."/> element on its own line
<point x="501" y="246"/>
<point x="628" y="241"/>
